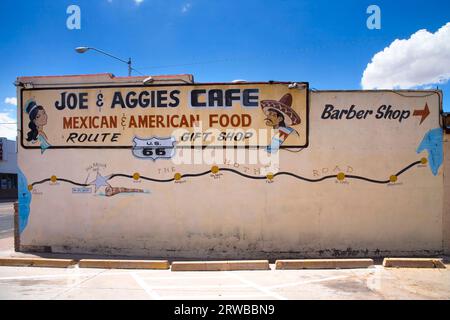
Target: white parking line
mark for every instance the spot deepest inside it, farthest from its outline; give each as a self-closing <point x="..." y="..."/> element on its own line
<point x="256" y="286"/>
<point x="213" y="286"/>
<point x="292" y="284"/>
<point x="144" y="286"/>
<point x="53" y="276"/>
<point x="224" y="297"/>
<point x="76" y="285"/>
<point x="185" y="278"/>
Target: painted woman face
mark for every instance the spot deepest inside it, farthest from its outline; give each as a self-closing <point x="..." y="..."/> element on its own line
<point x="41" y="118"/>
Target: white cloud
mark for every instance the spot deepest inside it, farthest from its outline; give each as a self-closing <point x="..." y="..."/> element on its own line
<point x="138" y="2"/>
<point x="186" y="7"/>
<point x="8" y="131"/>
<point x="421" y="60"/>
<point x="11" y="100"/>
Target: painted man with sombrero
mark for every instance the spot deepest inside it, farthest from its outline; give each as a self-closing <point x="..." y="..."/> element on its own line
<point x="280" y="116"/>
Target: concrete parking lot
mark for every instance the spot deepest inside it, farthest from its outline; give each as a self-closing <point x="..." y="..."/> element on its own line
<point x="76" y="283"/>
<point x="81" y="283"/>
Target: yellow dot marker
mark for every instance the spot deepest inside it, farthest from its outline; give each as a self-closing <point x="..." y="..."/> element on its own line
<point x="30" y="187"/>
<point x="341" y="176"/>
<point x="270" y="176"/>
<point x="393" y="179"/>
<point x="53" y="179"/>
<point x="424" y="160"/>
<point x="136" y="176"/>
<point x="215" y="169"/>
<point x="177" y="177"/>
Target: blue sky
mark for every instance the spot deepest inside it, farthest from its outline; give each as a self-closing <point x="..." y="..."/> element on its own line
<point x="323" y="42"/>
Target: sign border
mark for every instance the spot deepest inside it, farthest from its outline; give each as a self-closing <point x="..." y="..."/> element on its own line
<point x="306" y="84"/>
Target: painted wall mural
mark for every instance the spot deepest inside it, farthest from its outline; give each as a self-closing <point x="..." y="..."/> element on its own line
<point x="112" y="117"/>
<point x="112" y="161"/>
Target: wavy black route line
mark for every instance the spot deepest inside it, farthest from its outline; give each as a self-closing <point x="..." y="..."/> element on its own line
<point x="194" y="175"/>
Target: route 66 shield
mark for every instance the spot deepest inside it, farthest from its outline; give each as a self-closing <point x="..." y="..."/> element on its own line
<point x="154" y="148"/>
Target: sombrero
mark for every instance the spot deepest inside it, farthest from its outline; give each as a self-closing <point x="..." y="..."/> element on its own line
<point x="283" y="106"/>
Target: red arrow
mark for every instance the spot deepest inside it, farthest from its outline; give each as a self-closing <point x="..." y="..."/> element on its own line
<point x="422" y="113"/>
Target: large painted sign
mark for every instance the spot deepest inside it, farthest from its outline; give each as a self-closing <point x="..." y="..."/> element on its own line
<point x="359" y="173"/>
<point x="210" y="115"/>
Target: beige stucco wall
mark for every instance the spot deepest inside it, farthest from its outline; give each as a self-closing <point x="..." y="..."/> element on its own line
<point x="228" y="216"/>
